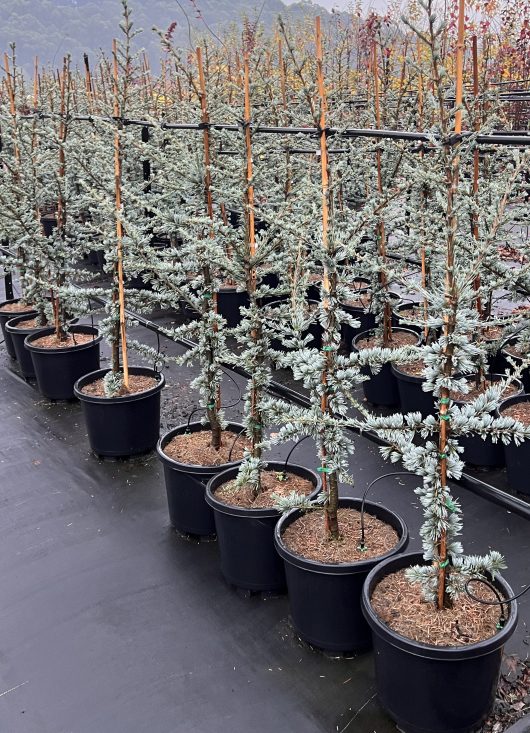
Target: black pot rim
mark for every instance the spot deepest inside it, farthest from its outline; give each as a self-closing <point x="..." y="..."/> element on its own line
<point x="18" y="313"/>
<point x="399" y="329"/>
<point x="420" y="649"/>
<point x="99" y="373"/>
<point x="68" y="349"/>
<point x="193" y="467"/>
<point x="346" y="568"/>
<point x="259" y="513"/>
<point x="11" y="325"/>
<point x="513" y="400"/>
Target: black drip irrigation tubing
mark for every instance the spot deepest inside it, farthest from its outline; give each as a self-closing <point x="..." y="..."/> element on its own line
<point x="494" y="139"/>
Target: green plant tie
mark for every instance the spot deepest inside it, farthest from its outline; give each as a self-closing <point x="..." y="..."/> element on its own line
<point x="444" y="564"/>
<point x="210" y="405"/>
<point x="324" y="469"/>
<point x="207" y="296"/>
<point x="445" y="417"/>
<point x="329" y="348"/>
<point x="442" y="455"/>
<point x="444" y="401"/>
<point x="450" y="505"/>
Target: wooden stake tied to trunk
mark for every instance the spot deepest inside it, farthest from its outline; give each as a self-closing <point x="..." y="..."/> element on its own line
<point x="329" y="285"/>
<point x="119" y="225"/>
<point x="452" y="222"/>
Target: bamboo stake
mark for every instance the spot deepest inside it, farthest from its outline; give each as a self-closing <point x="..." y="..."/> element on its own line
<point x="453" y="176"/>
<point x="329" y="480"/>
<point x="212" y="407"/>
<point x="381" y="234"/>
<point x="255" y="412"/>
<point x="119" y="225"/>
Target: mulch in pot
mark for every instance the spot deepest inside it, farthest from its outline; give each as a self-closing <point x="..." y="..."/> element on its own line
<point x="137" y="383"/>
<point x="307" y="537"/>
<point x="399" y="338"/>
<point x="519" y="411"/>
<point x="52" y="342"/>
<point x="272" y="483"/>
<point x="477" y="390"/>
<point x="15" y="307"/>
<point x="412" y="368"/>
<point x="196" y="448"/>
<point x="31" y="323"/>
<point x="401" y="606"/>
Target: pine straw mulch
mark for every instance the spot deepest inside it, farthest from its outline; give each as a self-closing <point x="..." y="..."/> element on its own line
<point x="512" y="700"/>
<point x="272" y="482"/>
<point x="137" y="383"/>
<point x="401" y="606"/>
<point x="196" y="448"/>
<point x="15" y="307"/>
<point x="51" y="341"/>
<point x="307" y="537"/>
<point x="520" y="411"/>
<point x="399" y="338"/>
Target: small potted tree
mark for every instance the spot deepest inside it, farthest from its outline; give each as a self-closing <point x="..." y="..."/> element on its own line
<point x="242" y="499"/>
<point x="121" y="404"/>
<point x="428" y="628"/>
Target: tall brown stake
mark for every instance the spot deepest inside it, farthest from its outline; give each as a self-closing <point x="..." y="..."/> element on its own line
<point x="64" y="88"/>
<point x="214" y="404"/>
<point x="120" y="294"/>
<point x="255" y="412"/>
<point x="329" y="286"/>
<point x="452" y="173"/>
<point x="381" y="234"/>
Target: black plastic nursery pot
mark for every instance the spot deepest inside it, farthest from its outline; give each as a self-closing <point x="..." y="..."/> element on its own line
<point x="517" y="456"/>
<point x="246" y="536"/>
<point x="325" y="599"/>
<point x="432" y="689"/>
<point x="400" y="318"/>
<point x="6" y="316"/>
<point x="186" y="484"/>
<point x="18" y="335"/>
<point x="58" y="369"/>
<point x="229" y="301"/>
<point x="485" y="453"/>
<point x="122" y="426"/>
<point x="382" y="387"/>
<point x="412" y="398"/>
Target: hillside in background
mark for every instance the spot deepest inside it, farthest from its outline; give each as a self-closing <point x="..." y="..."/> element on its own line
<point x="51" y="28"/>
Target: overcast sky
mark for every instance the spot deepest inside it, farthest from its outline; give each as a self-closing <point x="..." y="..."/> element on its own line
<point x="343" y="4"/>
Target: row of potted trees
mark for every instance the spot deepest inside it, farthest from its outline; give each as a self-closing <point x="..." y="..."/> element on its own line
<point x="223" y="214"/>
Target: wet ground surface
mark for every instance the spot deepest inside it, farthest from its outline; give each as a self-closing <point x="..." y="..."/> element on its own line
<point x="110" y="622"/>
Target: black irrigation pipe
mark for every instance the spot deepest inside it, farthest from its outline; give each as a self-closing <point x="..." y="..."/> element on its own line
<point x="493" y="139"/>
